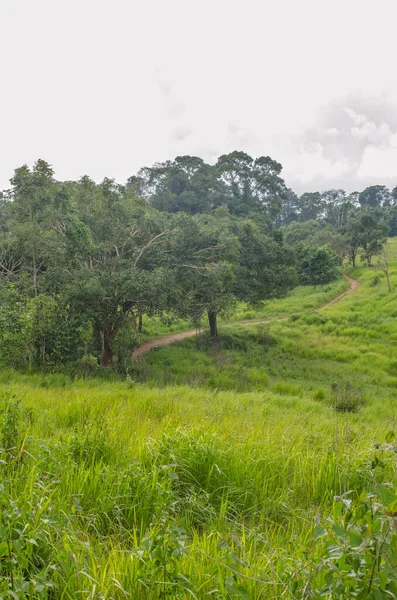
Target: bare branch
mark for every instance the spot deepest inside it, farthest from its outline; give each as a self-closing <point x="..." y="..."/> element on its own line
<point x="144" y="248"/>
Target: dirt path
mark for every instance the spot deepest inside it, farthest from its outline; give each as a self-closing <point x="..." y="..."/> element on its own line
<point x="177" y="337"/>
<point x="353" y="286"/>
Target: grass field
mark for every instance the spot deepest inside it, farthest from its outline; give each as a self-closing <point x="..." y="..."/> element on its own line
<point x="211" y="472"/>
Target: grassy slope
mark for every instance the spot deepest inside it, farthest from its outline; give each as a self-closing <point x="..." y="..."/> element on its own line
<point x="243" y="471"/>
<point x="351" y="342"/>
<point x="302" y="298"/>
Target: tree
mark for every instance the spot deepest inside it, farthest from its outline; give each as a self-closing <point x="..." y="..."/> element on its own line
<point x="338" y="206"/>
<point x="375" y="195"/>
<point x="391" y="220"/>
<point x="265" y="268"/>
<point x="289" y="211"/>
<point x="365" y="235"/>
<point x="252" y="185"/>
<point x="34" y="241"/>
<point x="311" y="206"/>
<point x="317" y="233"/>
<point x="118" y="271"/>
<point x="383" y="263"/>
<point x="203" y="251"/>
<point x="186" y="184"/>
<point x="316" y="265"/>
<point x="307" y="231"/>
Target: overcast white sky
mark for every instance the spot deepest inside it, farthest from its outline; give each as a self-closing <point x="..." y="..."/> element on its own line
<point x="104" y="87"/>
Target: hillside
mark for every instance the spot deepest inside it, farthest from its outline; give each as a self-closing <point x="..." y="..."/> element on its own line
<point x="205" y="474"/>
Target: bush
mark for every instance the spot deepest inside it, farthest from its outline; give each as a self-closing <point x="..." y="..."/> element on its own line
<point x="359" y="546"/>
<point x="316" y="265"/>
<point x="347" y="398"/>
<point x="86" y="365"/>
<point x="316" y="319"/>
<point x="374" y="281"/>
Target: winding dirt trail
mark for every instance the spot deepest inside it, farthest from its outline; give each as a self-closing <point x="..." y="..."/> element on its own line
<point x="354" y="284"/>
<point x="177" y="337"/>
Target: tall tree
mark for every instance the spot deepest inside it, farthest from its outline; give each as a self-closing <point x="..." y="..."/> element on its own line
<point x="186" y="184"/>
<point x="252" y="185"/>
<point x="365" y="235"/>
<point x="37" y="201"/>
<point x="203" y="251"/>
<point x="119" y="271"/>
<point x="311" y="206"/>
<point x="374" y="196"/>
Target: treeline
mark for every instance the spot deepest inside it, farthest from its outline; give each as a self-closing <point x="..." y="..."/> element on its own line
<point x="82" y="263"/>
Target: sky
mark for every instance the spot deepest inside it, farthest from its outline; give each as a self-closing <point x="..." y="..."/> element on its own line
<point x="103" y="88"/>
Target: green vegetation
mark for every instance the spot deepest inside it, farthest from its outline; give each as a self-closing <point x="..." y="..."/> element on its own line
<point x="351" y="342"/>
<point x="256" y="460"/>
<point x="85" y="267"/>
<point x="263" y="475"/>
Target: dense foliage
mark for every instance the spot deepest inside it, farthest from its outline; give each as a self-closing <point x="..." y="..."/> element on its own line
<point x="81" y="263"/>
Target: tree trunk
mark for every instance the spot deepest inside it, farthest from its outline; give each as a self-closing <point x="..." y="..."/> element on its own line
<point x="388" y="279"/>
<point x="354" y="261"/>
<point x="140" y="323"/>
<point x="107" y="353"/>
<point x="213" y="324"/>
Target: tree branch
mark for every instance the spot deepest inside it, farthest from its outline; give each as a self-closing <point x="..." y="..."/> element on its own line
<point x="144" y="248"/>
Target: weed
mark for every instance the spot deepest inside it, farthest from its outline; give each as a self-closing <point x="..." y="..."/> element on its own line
<point x="347" y="398"/>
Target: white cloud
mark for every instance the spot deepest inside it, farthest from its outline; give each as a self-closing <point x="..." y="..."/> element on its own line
<point x="312" y="162"/>
<point x="380" y="163"/>
<point x="373" y="134"/>
<point x="358" y="119"/>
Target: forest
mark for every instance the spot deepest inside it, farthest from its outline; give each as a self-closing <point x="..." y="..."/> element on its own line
<point x="83" y="265"/>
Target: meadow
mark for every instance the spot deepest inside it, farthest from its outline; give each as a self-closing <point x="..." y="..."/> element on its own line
<point x="261" y="467"/>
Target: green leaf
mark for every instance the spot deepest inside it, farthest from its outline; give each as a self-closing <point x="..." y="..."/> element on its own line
<point x="355" y="538"/>
<point x="340" y="532"/>
<point x="387" y="496"/>
<point x="319" y="532"/>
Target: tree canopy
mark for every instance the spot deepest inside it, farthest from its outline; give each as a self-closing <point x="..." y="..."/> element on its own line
<point x="81" y="263"/>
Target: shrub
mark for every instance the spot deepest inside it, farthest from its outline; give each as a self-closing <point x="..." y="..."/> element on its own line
<point x="316" y="319"/>
<point x="347" y="398"/>
<point x="86" y="365"/>
<point x="359" y="546"/>
<point x="316" y="265"/>
<point x="374" y="281"/>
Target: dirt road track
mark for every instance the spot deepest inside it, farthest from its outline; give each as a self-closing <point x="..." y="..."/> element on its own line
<point x="177" y="337"/>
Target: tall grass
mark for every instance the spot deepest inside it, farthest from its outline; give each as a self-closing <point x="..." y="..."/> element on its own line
<point x="121" y="486"/>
